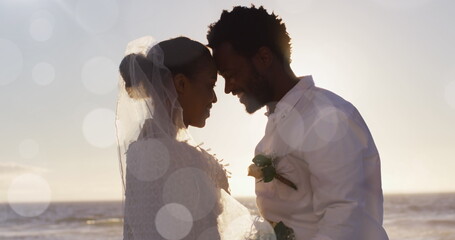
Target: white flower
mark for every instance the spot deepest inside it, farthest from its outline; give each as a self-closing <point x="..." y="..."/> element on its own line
<point x="255" y="171"/>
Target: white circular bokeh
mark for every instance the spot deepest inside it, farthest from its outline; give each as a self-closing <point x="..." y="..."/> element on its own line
<point x="97" y="16"/>
<point x="192" y="188"/>
<point x="173" y="221"/>
<point x="290" y="128"/>
<point x="99" y="127"/>
<point x="28" y="148"/>
<point x="10" y="56"/>
<point x="323" y="124"/>
<point x="99" y="75"/>
<point x="41" y="26"/>
<point x="43" y="73"/>
<point x="148" y="159"/>
<point x="29" y="195"/>
<point x="449" y="94"/>
<point x="41" y="29"/>
<point x="331" y="124"/>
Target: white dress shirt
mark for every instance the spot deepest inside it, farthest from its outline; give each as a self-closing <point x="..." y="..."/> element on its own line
<point x="320" y="142"/>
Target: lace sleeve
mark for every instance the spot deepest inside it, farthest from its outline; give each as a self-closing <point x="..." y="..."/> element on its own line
<point x="216" y="169"/>
<point x="142" y="202"/>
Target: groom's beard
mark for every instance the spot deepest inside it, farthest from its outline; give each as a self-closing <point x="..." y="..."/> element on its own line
<point x="260" y="92"/>
<point x="251" y="104"/>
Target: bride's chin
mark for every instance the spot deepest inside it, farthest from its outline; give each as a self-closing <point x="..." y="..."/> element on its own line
<point x="200" y="124"/>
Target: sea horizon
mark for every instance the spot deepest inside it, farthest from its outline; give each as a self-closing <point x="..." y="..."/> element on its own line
<point x="236" y="197"/>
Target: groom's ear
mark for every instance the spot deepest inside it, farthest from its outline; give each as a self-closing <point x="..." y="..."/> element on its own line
<point x="180" y="82"/>
<point x="264" y="57"/>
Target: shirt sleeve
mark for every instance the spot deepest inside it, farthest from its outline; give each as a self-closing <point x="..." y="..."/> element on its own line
<point x="337" y="175"/>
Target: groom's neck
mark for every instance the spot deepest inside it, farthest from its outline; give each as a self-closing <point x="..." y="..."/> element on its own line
<point x="283" y="81"/>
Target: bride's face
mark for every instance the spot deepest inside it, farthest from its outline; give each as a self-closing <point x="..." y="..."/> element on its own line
<point x="198" y="95"/>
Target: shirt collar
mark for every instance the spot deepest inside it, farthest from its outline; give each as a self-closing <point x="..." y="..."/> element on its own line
<point x="291" y="98"/>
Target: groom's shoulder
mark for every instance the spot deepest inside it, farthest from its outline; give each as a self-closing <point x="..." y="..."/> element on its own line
<point x="325" y="98"/>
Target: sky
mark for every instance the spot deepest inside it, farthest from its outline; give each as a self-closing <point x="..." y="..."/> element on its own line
<point x="393" y="59"/>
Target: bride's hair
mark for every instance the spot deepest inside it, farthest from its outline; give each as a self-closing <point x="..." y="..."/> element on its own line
<point x="181" y="56"/>
<point x="126" y="74"/>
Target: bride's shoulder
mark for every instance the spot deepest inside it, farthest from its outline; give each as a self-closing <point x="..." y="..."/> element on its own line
<point x="167" y="146"/>
<point x="150" y="148"/>
<point x="149" y="144"/>
<point x="174" y="149"/>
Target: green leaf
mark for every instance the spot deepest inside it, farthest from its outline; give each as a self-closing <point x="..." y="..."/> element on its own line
<point x="262" y="161"/>
<point x="268" y="173"/>
<point x="283" y="232"/>
<point x="280" y="230"/>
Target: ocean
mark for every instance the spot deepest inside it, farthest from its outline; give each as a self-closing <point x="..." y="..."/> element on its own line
<point x="406" y="217"/>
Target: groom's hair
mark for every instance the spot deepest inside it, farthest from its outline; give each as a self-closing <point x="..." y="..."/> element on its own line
<point x="249" y="29"/>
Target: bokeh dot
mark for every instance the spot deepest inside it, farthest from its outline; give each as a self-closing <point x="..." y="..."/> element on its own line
<point x="192" y="188"/>
<point x="41" y="29"/>
<point x="173" y="221"/>
<point x="324" y="124"/>
<point x="43" y="73"/>
<point x="331" y="124"/>
<point x="450" y="94"/>
<point x="11" y="56"/>
<point x="29" y="195"/>
<point x="147" y="160"/>
<point x="28" y="148"/>
<point x="99" y="127"/>
<point x="291" y="137"/>
<point x="97" y="16"/>
<point x="100" y="75"/>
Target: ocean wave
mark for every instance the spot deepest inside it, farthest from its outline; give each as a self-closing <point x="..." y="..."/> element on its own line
<point x="443" y="222"/>
<point x="107" y="221"/>
<point x="90" y="221"/>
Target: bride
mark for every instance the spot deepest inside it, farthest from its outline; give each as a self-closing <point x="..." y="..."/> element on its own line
<point x="173" y="188"/>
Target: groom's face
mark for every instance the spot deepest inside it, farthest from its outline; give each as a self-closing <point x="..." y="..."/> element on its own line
<point x="242" y="78"/>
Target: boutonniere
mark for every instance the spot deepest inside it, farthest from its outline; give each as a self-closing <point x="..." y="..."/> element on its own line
<point x="263" y="169"/>
<point x="283" y="232"/>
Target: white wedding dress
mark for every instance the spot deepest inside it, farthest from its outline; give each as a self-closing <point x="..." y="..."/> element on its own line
<point x="173" y="189"/>
<point x="184" y="189"/>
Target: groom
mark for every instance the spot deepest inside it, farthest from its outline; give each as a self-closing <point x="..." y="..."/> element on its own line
<point x="318" y="142"/>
